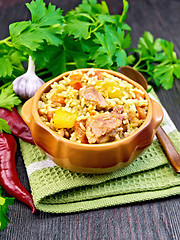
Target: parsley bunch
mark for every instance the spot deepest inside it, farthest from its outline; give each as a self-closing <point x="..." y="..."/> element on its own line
<point x="87" y="36"/>
<point x="40" y="37"/>
<point x="157" y="59"/>
<point x="96" y="38"/>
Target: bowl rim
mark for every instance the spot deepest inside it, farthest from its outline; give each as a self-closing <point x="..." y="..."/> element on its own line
<point x="36" y="98"/>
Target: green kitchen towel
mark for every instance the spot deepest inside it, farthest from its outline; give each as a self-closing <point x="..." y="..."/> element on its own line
<point x="59" y="190"/>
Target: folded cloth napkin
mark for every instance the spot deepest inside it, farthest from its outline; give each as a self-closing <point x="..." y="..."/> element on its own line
<point x="58" y="190"/>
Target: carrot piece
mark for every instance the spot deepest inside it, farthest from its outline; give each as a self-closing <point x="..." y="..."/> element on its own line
<point x="138" y="94"/>
<point x="92" y="113"/>
<point x="59" y="99"/>
<point x="76" y="84"/>
<point x="75" y="76"/>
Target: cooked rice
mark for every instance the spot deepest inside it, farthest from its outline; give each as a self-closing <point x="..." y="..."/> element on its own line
<point x="125" y="96"/>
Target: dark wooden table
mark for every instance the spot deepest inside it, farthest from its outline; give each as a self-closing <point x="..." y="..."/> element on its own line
<point x="158" y="219"/>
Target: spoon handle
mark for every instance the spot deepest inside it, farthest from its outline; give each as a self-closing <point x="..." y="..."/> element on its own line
<point x="169" y="149"/>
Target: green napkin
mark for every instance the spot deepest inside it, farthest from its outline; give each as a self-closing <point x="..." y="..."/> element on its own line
<point x="58" y="190"/>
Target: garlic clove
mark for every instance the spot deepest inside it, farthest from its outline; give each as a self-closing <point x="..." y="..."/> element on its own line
<point x="26" y="85"/>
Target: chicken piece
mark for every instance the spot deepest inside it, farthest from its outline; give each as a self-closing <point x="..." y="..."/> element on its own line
<point x="89" y="93"/>
<point x="103" y="126"/>
<point x="80" y="130"/>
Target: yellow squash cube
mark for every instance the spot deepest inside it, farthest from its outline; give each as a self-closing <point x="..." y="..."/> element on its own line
<point x="64" y="119"/>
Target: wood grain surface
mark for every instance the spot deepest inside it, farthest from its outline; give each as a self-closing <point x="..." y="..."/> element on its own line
<point x="158" y="219"/>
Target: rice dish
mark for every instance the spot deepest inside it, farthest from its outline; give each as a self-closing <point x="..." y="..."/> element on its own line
<point x="93" y="107"/>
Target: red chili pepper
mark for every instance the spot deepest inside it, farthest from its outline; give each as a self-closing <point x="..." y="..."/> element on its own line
<point x="8" y="175"/>
<point x="17" y="125"/>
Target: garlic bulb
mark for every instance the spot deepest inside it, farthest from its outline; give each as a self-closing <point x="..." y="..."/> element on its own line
<point x="26" y="85"/>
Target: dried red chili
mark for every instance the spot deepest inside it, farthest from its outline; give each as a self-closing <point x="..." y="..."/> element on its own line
<point x="17" y="125"/>
<point x="8" y="175"/>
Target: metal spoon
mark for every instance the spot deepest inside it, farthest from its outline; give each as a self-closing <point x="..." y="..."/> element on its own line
<point x="171" y="153"/>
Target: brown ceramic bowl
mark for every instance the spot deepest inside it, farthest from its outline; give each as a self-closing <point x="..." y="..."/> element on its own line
<point x="91" y="158"/>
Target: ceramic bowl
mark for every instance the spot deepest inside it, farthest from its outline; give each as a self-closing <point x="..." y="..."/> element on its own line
<point x="91" y="158"/>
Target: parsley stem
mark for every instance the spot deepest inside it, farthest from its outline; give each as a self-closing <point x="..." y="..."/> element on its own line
<point x="8" y="38"/>
<point x="19" y="69"/>
<point x="6" y="41"/>
<point x="73" y="63"/>
<point x="86" y="16"/>
<point x="5" y="85"/>
<point x="43" y="73"/>
<point x="141" y="66"/>
<point x="95" y="29"/>
<point x="47" y="79"/>
<point x="141" y="70"/>
<point x="138" y="62"/>
<point x="70" y="63"/>
<point x="91" y="64"/>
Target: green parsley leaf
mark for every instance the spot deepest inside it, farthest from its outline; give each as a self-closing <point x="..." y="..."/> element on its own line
<point x="86" y="6"/>
<point x="103" y="61"/>
<point x="75" y="56"/>
<point x="146" y="45"/>
<point x="157" y="45"/>
<point x="121" y="58"/>
<point x="45" y="17"/>
<point x="126" y="42"/>
<point x="11" y="62"/>
<point x="34" y="37"/>
<point x="4" y="127"/>
<point x="125" y="26"/>
<point x="167" y="48"/>
<point x="107" y="48"/>
<point x="8" y="98"/>
<point x="46" y="26"/>
<point x="79" y="29"/>
<point x="17" y="28"/>
<point x="37" y="9"/>
<point x="4" y="203"/>
<point x="177" y="69"/>
<point x="91" y="7"/>
<point x="111" y="47"/>
<point x="164" y="75"/>
<point x="102" y="8"/>
<point x="59" y="60"/>
<point x="87" y="18"/>
<point x="6" y="66"/>
<point x="130" y="60"/>
<point x="103" y="19"/>
<point x="17" y="58"/>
